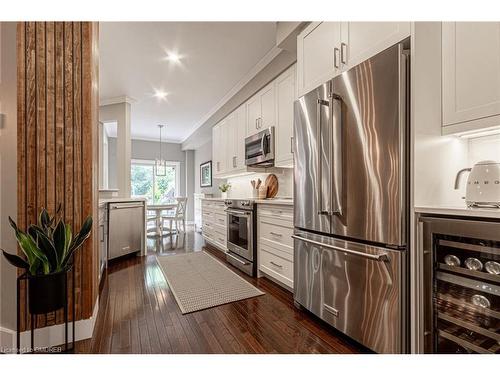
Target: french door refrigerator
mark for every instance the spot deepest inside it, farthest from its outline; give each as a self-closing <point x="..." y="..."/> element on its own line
<point x="351" y="201"/>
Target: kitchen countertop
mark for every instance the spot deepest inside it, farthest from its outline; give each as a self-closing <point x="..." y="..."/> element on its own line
<point x="277" y="201"/>
<point x="460" y="211"/>
<point x="102" y="202"/>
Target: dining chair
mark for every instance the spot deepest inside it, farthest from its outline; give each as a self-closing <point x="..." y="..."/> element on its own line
<point x="150" y="218"/>
<point x="179" y="215"/>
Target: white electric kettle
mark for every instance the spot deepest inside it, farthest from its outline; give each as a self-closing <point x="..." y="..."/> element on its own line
<point x="483" y="184"/>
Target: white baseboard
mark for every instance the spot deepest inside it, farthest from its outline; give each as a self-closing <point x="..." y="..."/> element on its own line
<point x="7" y="339"/>
<point x="48" y="336"/>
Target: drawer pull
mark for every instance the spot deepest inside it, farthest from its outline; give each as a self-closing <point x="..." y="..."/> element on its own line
<point x="331" y="310"/>
<point x="276" y="234"/>
<point x="276" y="264"/>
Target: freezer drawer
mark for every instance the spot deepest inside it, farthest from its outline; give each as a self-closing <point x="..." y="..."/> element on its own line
<point x="126" y="229"/>
<point x="356" y="288"/>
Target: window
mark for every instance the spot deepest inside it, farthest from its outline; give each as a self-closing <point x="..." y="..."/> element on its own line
<point x="156" y="189"/>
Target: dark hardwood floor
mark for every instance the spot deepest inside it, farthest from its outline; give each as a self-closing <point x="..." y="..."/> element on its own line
<point x="138" y="314"/>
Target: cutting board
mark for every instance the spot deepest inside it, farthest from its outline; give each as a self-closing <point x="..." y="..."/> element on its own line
<point x="272" y="185"/>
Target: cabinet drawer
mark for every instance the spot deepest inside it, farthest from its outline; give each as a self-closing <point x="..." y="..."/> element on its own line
<point x="219" y="207"/>
<point x="221" y="229"/>
<point x="279" y="212"/>
<point x="220" y="219"/>
<point x="277" y="234"/>
<point x="277" y="267"/>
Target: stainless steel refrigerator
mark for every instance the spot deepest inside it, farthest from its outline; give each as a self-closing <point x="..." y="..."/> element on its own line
<point x="351" y="201"/>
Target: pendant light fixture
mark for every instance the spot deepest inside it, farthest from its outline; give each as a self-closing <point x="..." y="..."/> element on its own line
<point x="160" y="163"/>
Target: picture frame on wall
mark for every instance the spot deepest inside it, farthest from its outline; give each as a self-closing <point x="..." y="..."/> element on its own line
<point x="206" y="174"/>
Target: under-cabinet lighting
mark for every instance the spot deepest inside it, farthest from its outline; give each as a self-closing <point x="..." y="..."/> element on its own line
<point x="480" y="133"/>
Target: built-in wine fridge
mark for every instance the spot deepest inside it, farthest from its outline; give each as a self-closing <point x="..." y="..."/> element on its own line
<point x="461" y="285"/>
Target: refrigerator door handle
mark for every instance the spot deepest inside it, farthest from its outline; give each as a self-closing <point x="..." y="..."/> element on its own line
<point x="320" y="103"/>
<point x="376" y="257"/>
<point x="336" y="157"/>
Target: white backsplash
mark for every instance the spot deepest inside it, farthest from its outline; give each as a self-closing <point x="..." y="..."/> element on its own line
<point x="241" y="187"/>
<point x="484" y="148"/>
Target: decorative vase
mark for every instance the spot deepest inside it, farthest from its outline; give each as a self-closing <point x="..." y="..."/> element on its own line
<point x="223" y="194"/>
<point x="47" y="292"/>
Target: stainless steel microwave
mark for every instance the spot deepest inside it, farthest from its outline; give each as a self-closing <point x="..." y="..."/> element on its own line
<point x="259" y="149"/>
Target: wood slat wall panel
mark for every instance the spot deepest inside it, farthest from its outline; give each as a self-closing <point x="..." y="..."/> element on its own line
<point x="57" y="139"/>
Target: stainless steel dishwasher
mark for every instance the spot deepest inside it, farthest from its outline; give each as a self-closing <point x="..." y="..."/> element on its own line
<point x="126" y="228"/>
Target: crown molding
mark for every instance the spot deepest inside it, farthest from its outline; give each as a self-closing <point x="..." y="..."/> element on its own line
<point x="275" y="51"/>
<point x="117" y="100"/>
<point x="166" y="140"/>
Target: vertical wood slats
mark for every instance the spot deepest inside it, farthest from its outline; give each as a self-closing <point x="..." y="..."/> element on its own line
<point x="57" y="139"/>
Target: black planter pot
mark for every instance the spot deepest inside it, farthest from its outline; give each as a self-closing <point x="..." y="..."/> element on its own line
<point x="47" y="292"/>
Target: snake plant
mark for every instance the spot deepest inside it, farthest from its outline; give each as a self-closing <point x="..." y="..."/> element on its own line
<point x="47" y="245"/>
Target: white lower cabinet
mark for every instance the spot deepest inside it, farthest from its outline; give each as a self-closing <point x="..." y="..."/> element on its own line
<point x="274" y="242"/>
<point x="214" y="227"/>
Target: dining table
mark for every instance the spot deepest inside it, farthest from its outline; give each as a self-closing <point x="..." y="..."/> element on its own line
<point x="158" y="209"/>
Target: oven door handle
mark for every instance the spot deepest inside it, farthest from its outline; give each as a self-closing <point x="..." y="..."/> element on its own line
<point x="238" y="213"/>
<point x="236" y="259"/>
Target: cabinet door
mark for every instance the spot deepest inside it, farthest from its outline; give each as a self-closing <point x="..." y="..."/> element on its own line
<point x="268" y="108"/>
<point x="218" y="148"/>
<point x="471" y="73"/>
<point x="229" y="131"/>
<point x="285" y="95"/>
<point x="241" y="133"/>
<point x="362" y="40"/>
<point x="317" y="46"/>
<point x="253" y="114"/>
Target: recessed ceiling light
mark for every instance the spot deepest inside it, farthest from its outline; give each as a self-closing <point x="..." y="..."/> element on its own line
<point x="173" y="57"/>
<point x="159" y="94"/>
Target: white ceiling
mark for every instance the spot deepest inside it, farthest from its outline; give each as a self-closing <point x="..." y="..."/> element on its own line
<point x="216" y="56"/>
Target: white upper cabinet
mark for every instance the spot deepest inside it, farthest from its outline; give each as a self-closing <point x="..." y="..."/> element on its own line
<point x="219" y="149"/>
<point x="268" y="107"/>
<point x="326" y="49"/>
<point x="318" y="54"/>
<point x="241" y="133"/>
<point x="285" y="96"/>
<point x="253" y="115"/>
<point x="471" y="75"/>
<point x="235" y="133"/>
<point x="362" y="40"/>
<point x="261" y="112"/>
<point x="271" y="106"/>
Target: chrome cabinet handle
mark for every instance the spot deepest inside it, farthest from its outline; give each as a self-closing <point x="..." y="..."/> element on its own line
<point x="256" y="120"/>
<point x="291" y="145"/>
<point x="343" y="47"/>
<point x="336" y="53"/>
<point x="276" y="264"/>
<point x="234" y="161"/>
<point x="276" y="234"/>
<point x="379" y="257"/>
